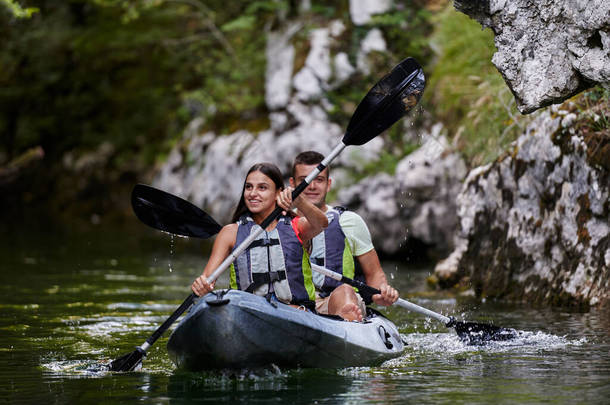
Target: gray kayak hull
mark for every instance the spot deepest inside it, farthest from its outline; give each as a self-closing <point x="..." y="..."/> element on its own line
<point x="235" y="329"/>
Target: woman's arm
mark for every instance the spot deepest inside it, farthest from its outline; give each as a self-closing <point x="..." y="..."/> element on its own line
<point x="224" y="243"/>
<point x="313" y="220"/>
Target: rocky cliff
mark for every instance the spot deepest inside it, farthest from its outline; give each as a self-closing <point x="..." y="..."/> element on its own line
<point x="547" y="50"/>
<point x="535" y="224"/>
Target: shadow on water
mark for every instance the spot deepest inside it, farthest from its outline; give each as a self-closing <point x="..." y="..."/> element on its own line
<point x="260" y="386"/>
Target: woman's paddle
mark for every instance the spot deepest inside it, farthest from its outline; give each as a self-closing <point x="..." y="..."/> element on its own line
<point x="390" y="99"/>
<point x="203" y="226"/>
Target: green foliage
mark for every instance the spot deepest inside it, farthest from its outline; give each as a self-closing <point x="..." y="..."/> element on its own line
<point x="130" y="72"/>
<point x="77" y="77"/>
<point x="595" y="107"/>
<point x="468" y="93"/>
<point x="244" y="22"/>
<point x="325" y="10"/>
<point x="17" y="11"/>
<point x="406" y="31"/>
<point x="267" y="7"/>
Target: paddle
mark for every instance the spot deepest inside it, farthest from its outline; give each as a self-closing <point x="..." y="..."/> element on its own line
<point x="391" y="98"/>
<point x="470" y="332"/>
<point x="171" y="214"/>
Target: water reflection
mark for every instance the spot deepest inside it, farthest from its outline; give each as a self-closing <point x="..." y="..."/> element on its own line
<point x="260" y="386"/>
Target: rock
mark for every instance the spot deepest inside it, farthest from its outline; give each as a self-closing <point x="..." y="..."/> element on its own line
<point x="91" y="161"/>
<point x="336" y="28"/>
<point x="312" y="79"/>
<point x="26" y="162"/>
<point x="428" y="181"/>
<point x="373" y="198"/>
<point x="417" y="204"/>
<point x="535" y="224"/>
<point x="547" y="51"/>
<point x="373" y="41"/>
<point x="198" y="169"/>
<point x="361" y="11"/>
<point x="343" y="68"/>
<point x="278" y="74"/>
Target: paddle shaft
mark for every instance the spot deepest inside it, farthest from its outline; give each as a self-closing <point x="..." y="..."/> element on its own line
<point x="372" y="291"/>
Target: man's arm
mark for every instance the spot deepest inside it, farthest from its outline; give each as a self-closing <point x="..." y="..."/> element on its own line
<point x="375" y="277"/>
<point x="359" y="237"/>
<point x="371" y="267"/>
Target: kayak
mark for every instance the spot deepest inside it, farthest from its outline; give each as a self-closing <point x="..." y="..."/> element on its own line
<point x="234" y="330"/>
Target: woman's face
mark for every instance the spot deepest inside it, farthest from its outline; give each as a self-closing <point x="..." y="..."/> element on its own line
<point x="259" y="193"/>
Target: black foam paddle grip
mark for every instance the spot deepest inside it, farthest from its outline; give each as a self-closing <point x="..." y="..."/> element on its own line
<point x="366" y="289"/>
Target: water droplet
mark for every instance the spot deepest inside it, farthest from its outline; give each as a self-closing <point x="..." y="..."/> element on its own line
<point x="171" y="251"/>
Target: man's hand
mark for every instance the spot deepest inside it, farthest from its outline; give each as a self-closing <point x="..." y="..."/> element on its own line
<point x="387" y="297"/>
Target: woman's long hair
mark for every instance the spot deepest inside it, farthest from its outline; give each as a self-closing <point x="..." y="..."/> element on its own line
<point x="268" y="169"/>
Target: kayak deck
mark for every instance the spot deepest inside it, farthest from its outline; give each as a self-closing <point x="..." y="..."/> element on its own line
<point x="235" y="329"/>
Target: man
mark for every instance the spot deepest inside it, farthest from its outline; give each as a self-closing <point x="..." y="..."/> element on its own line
<point x="346" y="237"/>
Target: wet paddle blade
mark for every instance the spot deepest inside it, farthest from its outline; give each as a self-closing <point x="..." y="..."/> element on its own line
<point x="391" y="98"/>
<point x="475" y="333"/>
<point x="128" y="362"/>
<point x="166" y="212"/>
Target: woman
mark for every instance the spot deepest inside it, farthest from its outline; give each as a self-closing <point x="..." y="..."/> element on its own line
<point x="276" y="262"/>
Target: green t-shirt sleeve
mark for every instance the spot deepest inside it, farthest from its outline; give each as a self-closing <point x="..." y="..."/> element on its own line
<point x="356" y="232"/>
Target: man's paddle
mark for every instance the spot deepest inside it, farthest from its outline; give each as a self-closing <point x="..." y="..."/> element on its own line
<point x="203" y="226"/>
<point x="469" y="332"/>
<point x="391" y="98"/>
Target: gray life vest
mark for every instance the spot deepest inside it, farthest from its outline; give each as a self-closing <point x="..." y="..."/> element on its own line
<point x="331" y="250"/>
<point x="275" y="262"/>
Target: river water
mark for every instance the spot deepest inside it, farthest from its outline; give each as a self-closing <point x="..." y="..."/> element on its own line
<point x="73" y="299"/>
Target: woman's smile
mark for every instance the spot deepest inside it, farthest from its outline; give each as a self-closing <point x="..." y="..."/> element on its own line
<point x="259" y="192"/>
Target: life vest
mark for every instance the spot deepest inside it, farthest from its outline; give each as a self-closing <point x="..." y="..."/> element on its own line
<point x="331" y="250"/>
<point x="275" y="262"/>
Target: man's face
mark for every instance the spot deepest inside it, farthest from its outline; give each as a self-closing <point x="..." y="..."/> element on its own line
<point x="317" y="189"/>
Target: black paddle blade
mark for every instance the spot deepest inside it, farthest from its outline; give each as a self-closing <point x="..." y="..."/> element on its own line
<point x="128" y="362"/>
<point x="391" y="98"/>
<point x="475" y="333"/>
<point x="172" y="214"/>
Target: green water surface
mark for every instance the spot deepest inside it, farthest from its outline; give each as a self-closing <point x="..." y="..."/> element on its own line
<point x="72" y="299"/>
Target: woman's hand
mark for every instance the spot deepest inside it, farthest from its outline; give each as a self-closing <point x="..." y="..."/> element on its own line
<point x="201" y="286"/>
<point x="284" y="199"/>
<point x="387" y="297"/>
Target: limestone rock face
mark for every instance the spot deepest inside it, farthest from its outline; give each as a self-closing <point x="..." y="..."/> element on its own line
<point x="417" y="204"/>
<point x="535" y="224"/>
<point x="547" y="50"/>
<point x="280" y="58"/>
<point x="311" y="81"/>
<point x="208" y="169"/>
<point x="361" y="11"/>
